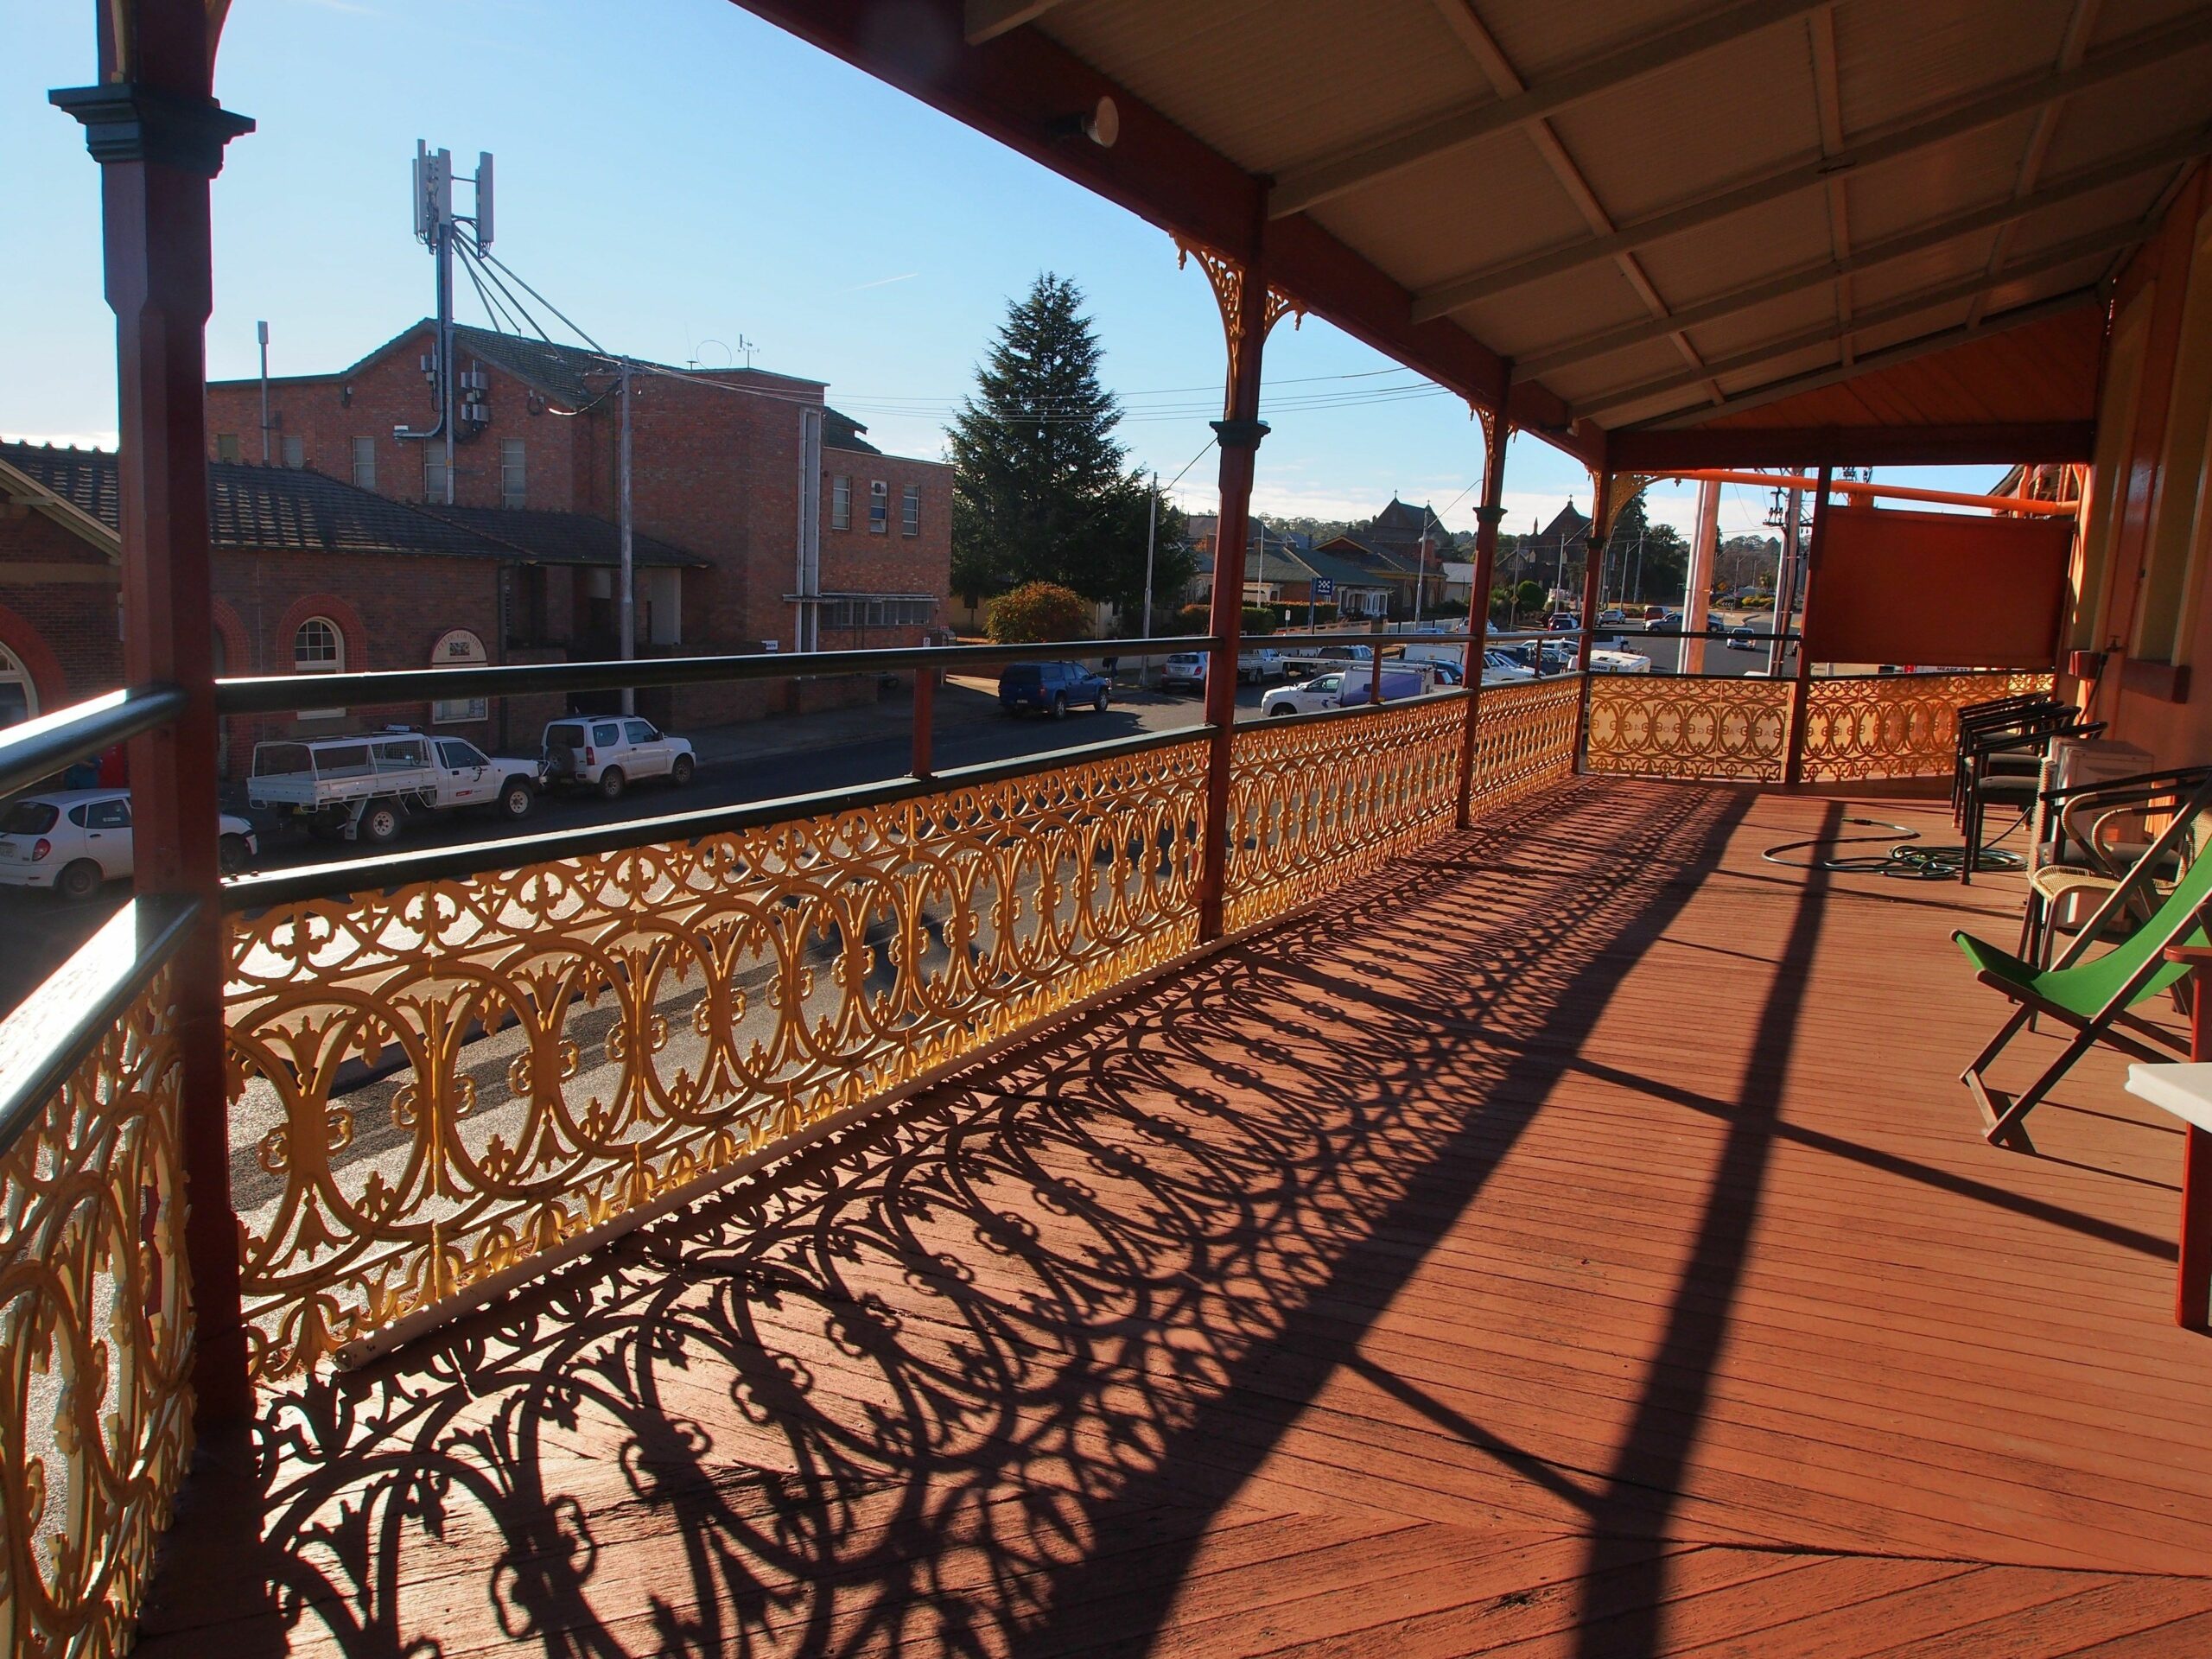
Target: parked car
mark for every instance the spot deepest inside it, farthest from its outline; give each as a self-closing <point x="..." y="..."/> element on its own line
<point x="1742" y="638"/>
<point x="366" y="786"/>
<point x="1500" y="668"/>
<point x="1619" y="662"/>
<point x="1563" y="622"/>
<point x="608" y="752"/>
<point x="1612" y="618"/>
<point x="1665" y="622"/>
<point x="1184" y="672"/>
<point x="1257" y="667"/>
<point x="1054" y="687"/>
<point x="1325" y="658"/>
<point x="1399" y="681"/>
<point x="72" y="840"/>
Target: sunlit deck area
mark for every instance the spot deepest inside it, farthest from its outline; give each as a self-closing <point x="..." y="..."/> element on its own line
<point x="1570" y="1238"/>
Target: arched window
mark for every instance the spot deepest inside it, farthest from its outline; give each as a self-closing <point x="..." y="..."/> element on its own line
<point x="18" y="692"/>
<point x="318" y="647"/>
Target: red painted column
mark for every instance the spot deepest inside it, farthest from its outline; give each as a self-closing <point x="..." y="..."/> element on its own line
<point x="158" y="135"/>
<point x="1239" y="430"/>
<point x="1801" y="692"/>
<point x="1487" y="518"/>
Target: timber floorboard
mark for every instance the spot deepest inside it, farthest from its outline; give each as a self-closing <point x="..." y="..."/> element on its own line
<point x="1569" y="1240"/>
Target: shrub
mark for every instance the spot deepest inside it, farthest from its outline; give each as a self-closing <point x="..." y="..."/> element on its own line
<point x="1037" y="611"/>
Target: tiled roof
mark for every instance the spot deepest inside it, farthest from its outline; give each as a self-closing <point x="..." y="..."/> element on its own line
<point x="561" y="538"/>
<point x="290" y="509"/>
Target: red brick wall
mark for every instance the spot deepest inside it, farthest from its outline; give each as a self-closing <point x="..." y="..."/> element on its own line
<point x="328" y="412"/>
<point x="66" y="634"/>
<point x="855" y="561"/>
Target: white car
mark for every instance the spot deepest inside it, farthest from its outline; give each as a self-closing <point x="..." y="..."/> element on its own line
<point x="72" y="840"/>
<point x="365" y="787"/>
<point x="1255" y="667"/>
<point x="608" y="752"/>
<point x="1498" y="669"/>
<point x="1619" y="662"/>
<point x="1186" y="669"/>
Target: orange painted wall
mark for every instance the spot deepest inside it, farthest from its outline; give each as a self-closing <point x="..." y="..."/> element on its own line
<point x="2149" y="608"/>
<point x="1938" y="588"/>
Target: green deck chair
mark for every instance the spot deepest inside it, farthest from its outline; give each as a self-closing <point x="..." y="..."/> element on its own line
<point x="2095" y="997"/>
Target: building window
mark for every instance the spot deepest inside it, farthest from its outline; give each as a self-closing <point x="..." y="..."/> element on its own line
<point x="910" y="511"/>
<point x="513" y="484"/>
<point x="226" y="446"/>
<point x="878" y="507"/>
<point x="295" y="452"/>
<point x="434" y="472"/>
<point x="867" y="610"/>
<point x="365" y="463"/>
<point x="840" y="503"/>
<point x="319" y="648"/>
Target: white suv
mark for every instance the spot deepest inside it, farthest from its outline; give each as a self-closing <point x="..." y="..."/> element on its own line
<point x="608" y="752"/>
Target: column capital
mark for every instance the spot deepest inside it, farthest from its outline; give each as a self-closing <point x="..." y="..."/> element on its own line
<point x="1489" y="515"/>
<point x="127" y="121"/>
<point x="1240" y="435"/>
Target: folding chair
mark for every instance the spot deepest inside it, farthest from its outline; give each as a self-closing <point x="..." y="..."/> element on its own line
<point x="2092" y="995"/>
<point x="2076" y="856"/>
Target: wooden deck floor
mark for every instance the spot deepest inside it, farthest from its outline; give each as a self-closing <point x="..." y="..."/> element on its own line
<point x="1572" y="1241"/>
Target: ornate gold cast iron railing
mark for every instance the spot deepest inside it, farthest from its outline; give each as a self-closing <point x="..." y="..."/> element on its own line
<point x="1895" y="725"/>
<point x="1689" y="726"/>
<point x="95" y="1333"/>
<point x="1524" y="740"/>
<point x="436" y="1082"/>
<point x="1859" y="726"/>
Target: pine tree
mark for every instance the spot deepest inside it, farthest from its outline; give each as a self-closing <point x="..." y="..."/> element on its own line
<point x="1039" y="489"/>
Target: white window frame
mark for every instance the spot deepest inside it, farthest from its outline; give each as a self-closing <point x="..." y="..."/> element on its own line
<point x="878" y="507"/>
<point x="365" y="463"/>
<point x="514" y="472"/>
<point x="840" y="502"/>
<point x="334" y="663"/>
<point x="910" y="511"/>
<point x="433" y="472"/>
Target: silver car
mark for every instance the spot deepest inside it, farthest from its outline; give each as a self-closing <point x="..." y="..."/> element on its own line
<point x="74" y="840"/>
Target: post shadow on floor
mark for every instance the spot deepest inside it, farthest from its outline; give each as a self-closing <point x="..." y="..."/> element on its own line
<point x="927" y="1347"/>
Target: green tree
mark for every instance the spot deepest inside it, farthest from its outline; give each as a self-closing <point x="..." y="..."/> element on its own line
<point x="1040" y="489"/>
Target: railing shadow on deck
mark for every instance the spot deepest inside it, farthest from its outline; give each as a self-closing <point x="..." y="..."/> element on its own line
<point x="1030" y="1467"/>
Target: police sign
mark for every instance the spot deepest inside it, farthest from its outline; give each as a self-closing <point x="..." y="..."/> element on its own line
<point x="1325" y="587"/>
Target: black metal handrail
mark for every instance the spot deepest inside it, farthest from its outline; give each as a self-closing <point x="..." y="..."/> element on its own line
<point x="49" y="1033"/>
<point x="475" y="858"/>
<point x="281" y="693"/>
<point x="39" y="748"/>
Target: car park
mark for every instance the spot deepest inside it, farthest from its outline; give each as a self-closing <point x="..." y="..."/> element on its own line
<point x="1054" y="687"/>
<point x="74" y="840"/>
<point x="608" y="752"/>
<point x="366" y="786"/>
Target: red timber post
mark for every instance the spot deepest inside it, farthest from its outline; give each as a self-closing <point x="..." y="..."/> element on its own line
<point x="1801" y="692"/>
<point x="1604" y="487"/>
<point x="1487" y="518"/>
<point x="1248" y="311"/>
<point x="155" y="127"/>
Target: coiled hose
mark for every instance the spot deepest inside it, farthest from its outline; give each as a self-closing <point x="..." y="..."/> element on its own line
<point x="1906" y="859"/>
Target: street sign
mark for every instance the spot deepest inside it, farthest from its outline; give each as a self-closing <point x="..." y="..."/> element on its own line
<point x="1325" y="587"/>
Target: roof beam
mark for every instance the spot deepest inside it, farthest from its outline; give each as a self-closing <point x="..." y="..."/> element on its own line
<point x="2073" y="44"/>
<point x="1308" y="187"/>
<point x="2009" y="211"/>
<point x="1889" y="357"/>
<point x="2018" y="97"/>
<point x="988" y="19"/>
<point x="1909" y="305"/>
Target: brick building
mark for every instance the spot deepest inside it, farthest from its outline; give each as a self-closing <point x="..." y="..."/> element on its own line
<point x="720" y="460"/>
<point x="311" y="575"/>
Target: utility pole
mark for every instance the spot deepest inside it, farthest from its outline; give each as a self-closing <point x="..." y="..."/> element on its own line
<point x="626" y="600"/>
<point x="1151" y="534"/>
<point x="1785" y="581"/>
<point x="262" y="329"/>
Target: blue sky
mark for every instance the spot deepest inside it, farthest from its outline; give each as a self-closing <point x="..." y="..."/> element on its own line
<point x="677" y="176"/>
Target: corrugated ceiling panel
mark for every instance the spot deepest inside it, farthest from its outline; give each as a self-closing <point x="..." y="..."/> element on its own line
<point x="2108" y="120"/>
<point x="2120" y="204"/>
<point x="1456" y="214"/>
<point x="1272" y="82"/>
<point x="1743" y="248"/>
<point x="1900" y="58"/>
<point x="1871" y="340"/>
<point x="1749" y="330"/>
<point x="1711" y="133"/>
<point x="1595" y="295"/>
<point x="1972" y="170"/>
<point x="1953" y="261"/>
<point x="1654" y="360"/>
<point x="1542" y="37"/>
<point x="2116" y="21"/>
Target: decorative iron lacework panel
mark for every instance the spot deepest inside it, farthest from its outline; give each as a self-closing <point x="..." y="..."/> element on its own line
<point x="1896" y="725"/>
<point x="95" y="1342"/>
<point x="1314" y="804"/>
<point x="433" y="1083"/>
<point x="1689" y="726"/>
<point x="1524" y="739"/>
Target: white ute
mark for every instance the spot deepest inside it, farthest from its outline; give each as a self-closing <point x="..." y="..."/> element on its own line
<point x="608" y="752"/>
<point x="365" y="787"/>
